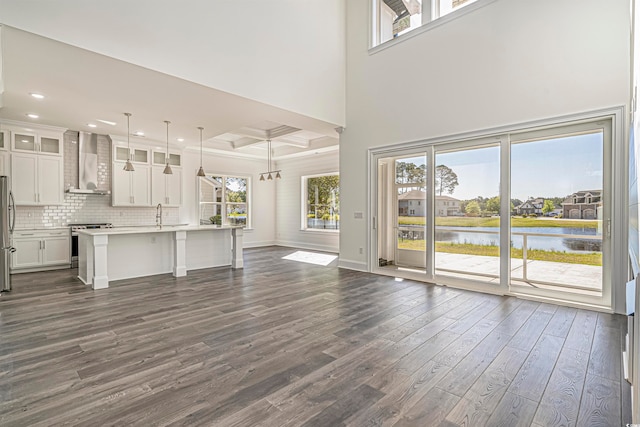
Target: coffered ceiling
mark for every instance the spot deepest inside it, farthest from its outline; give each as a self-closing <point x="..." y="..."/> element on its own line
<point x="83" y="88"/>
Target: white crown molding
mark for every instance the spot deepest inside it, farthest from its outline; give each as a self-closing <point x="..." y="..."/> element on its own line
<point x="30" y="125"/>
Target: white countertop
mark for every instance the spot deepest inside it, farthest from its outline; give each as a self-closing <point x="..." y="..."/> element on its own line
<point x="42" y="229"/>
<point x="153" y="229"/>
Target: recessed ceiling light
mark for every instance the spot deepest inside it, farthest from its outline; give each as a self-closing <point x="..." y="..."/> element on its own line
<point x="180" y="139"/>
<point x="91" y="125"/>
<point x="140" y="133"/>
<point x="37" y="95"/>
<point x="32" y="116"/>
<point x="107" y="122"/>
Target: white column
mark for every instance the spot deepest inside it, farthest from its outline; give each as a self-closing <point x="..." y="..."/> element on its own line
<point x="236" y="251"/>
<point x="85" y="259"/>
<point x="100" y="276"/>
<point x="180" y="254"/>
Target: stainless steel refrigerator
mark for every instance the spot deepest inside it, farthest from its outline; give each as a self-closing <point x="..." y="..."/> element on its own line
<point x="7" y="224"/>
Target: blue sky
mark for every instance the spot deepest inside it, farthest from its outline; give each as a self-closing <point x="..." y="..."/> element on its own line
<point x="547" y="168"/>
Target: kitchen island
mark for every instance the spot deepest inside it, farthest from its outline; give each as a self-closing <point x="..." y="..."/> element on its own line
<point x="123" y="253"/>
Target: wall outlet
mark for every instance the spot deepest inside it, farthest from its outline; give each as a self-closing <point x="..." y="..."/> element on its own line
<point x="153" y="239"/>
<point x="358" y="215"/>
<point x="361" y="250"/>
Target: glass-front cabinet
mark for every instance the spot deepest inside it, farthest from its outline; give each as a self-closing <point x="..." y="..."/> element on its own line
<point x="36" y="142"/>
<point x="4" y="140"/>
<point x="160" y="158"/>
<point x="135" y="154"/>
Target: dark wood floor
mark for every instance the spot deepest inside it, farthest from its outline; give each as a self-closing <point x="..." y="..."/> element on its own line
<point x="285" y="343"/>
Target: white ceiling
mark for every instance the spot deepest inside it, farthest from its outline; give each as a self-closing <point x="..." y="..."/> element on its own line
<point x="82" y="87"/>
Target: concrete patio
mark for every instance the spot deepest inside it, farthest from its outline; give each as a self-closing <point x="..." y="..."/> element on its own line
<point x="577" y="276"/>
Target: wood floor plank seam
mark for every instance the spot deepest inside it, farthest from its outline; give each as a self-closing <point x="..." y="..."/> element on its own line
<point x="289" y="344"/>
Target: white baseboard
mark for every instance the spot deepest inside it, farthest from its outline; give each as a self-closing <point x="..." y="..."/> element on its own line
<point x="309" y="246"/>
<point x="259" y="244"/>
<point x="352" y="265"/>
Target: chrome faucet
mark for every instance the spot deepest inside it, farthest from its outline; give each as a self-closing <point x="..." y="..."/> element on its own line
<point x="159" y="215"/>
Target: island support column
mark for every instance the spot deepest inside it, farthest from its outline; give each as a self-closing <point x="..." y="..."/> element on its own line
<point x="236" y="251"/>
<point x="100" y="275"/>
<point x="180" y="254"/>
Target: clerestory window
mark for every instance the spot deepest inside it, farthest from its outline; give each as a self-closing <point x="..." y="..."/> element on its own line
<point x="393" y="18"/>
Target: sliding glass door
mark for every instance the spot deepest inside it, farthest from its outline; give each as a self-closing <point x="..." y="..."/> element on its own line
<point x="524" y="212"/>
<point x="467" y="212"/>
<point x="561" y="217"/>
<point x="403" y="213"/>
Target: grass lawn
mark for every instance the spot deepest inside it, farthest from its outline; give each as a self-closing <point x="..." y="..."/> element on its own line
<point x="592" y="258"/>
<point x="464" y="221"/>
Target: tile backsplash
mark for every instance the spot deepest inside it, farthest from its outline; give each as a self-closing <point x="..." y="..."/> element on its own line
<point x="88" y="208"/>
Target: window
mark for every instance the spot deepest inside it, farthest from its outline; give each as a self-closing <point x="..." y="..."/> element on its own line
<point x="393" y="18"/>
<point x="223" y="200"/>
<point x="321" y="199"/>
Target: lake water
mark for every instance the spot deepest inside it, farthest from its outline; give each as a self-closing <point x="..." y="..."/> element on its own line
<point x="549" y="243"/>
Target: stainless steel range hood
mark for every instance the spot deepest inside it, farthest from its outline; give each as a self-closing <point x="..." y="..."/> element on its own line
<point x="88" y="165"/>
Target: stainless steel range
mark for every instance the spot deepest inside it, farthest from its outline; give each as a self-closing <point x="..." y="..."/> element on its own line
<point x="74" y="237"/>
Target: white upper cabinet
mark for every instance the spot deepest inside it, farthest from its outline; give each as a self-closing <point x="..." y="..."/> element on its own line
<point x="160" y="158"/>
<point x="147" y="185"/>
<point x="5" y="142"/>
<point x="131" y="188"/>
<point x="44" y="142"/>
<point x="36" y="180"/>
<point x="34" y="162"/>
<point x="136" y="154"/>
<point x="5" y="139"/>
<point x="166" y="189"/>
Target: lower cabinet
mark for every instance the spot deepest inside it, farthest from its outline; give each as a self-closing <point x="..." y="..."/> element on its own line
<point x="38" y="250"/>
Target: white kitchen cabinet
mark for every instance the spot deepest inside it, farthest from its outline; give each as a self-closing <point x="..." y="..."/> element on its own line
<point x="36" y="180"/>
<point x="41" y="250"/>
<point x="4" y="139"/>
<point x="166" y="189"/>
<point x="131" y="188"/>
<point x="56" y="250"/>
<point x="136" y="154"/>
<point x="41" y="142"/>
<point x="4" y="152"/>
<point x="4" y="163"/>
<point x="27" y="254"/>
<point x="160" y="158"/>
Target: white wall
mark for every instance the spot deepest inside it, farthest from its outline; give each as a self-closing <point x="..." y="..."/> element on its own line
<point x="290" y="54"/>
<point x="262" y="202"/>
<point x="512" y="61"/>
<point x="289" y="202"/>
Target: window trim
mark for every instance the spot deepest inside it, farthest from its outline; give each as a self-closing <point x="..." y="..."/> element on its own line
<point x="223" y="203"/>
<point x="374" y="25"/>
<point x="303" y="204"/>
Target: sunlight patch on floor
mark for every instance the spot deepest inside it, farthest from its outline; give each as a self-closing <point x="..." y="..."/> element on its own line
<point x="311" y="258"/>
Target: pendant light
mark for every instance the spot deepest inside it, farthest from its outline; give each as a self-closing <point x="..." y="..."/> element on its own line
<point x="201" y="171"/>
<point x="269" y="172"/>
<point x="167" y="169"/>
<point x="128" y="166"/>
